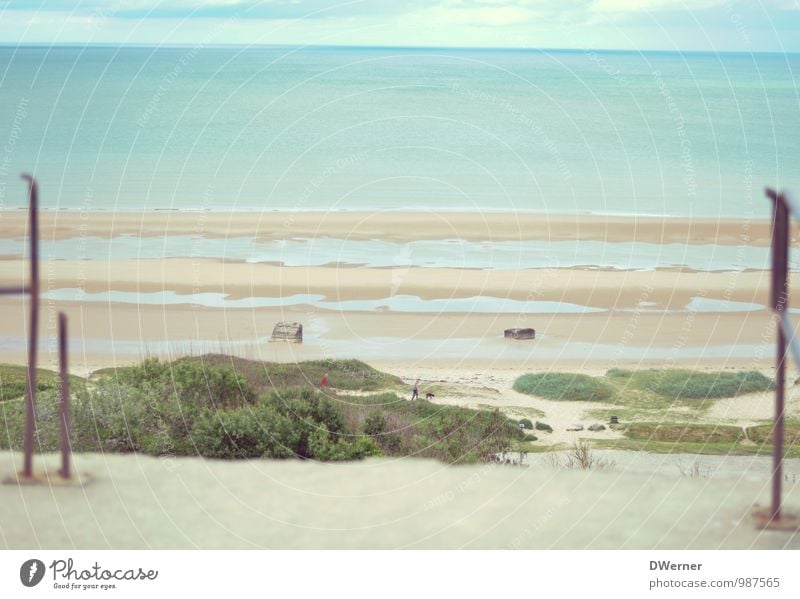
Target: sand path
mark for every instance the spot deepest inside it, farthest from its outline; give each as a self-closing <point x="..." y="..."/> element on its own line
<point x="752" y="409"/>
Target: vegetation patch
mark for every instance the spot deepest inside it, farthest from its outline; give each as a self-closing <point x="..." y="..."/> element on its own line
<point x="683" y="433"/>
<point x="564" y="386"/>
<point x="690" y="384"/>
<point x="14" y="381"/>
<point x="262" y="377"/>
<point x="765" y="433"/>
<point x="223" y="407"/>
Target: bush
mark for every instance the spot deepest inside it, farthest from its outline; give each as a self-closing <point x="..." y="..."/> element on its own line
<point x="324" y="446"/>
<point x="526" y="423"/>
<point x="46" y="434"/>
<point x="376" y="427"/>
<point x="375" y="424"/>
<point x="541" y="426"/>
<point x="564" y="386"/>
<point x="192" y="380"/>
<point x="245" y="433"/>
<point x="457" y="435"/>
<point x="619" y="373"/>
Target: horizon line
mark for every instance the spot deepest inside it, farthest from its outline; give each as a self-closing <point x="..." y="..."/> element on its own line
<point x="4" y="44"/>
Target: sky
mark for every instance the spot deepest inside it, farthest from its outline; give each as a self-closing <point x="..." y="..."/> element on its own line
<point x="682" y="25"/>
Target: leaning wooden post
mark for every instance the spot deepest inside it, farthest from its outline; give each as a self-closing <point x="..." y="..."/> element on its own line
<point x="33" y="334"/>
<point x="779" y="300"/>
<point x="64" y="370"/>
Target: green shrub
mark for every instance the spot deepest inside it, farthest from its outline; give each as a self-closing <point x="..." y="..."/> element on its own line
<point x="114" y="417"/>
<point x="541" y="426"/>
<point x="47" y="431"/>
<point x="619" y="373"/>
<point x="564" y="386"/>
<point x="245" y="433"/>
<point x="326" y="447"/>
<point x="526" y="423"/>
<point x="376" y="427"/>
<point x="203" y="384"/>
<point x="375" y="424"/>
<point x="457" y="435"/>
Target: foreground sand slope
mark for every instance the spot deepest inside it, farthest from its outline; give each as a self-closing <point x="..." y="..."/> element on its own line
<point x="143" y="502"/>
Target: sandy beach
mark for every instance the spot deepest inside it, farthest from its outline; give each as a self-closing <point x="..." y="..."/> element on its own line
<point x="121" y="333"/>
<point x="495" y="226"/>
<point x="588" y="316"/>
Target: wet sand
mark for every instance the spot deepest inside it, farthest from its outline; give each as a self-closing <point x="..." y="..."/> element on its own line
<point x="105" y="334"/>
<point x="599" y="289"/>
<point x="394" y="226"/>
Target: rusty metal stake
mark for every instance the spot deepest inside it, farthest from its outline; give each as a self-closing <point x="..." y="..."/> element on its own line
<point x="64" y="370"/>
<point x="779" y="300"/>
<point x="33" y="290"/>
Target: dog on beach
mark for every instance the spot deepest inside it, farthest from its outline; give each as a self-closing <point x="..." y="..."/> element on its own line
<point x="429" y="396"/>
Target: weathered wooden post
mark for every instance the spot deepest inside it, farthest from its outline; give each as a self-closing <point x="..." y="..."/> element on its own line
<point x="33" y="337"/>
<point x="779" y="299"/>
<point x="64" y="388"/>
<point x="32" y="290"/>
<point x="783" y="210"/>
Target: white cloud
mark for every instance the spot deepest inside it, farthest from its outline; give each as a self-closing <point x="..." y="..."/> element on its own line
<point x="788" y="4"/>
<point x="644" y="5"/>
<point x="494" y="16"/>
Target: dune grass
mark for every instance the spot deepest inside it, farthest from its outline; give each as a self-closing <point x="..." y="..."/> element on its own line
<point x="14" y="381"/>
<point x="765" y="433"/>
<point x="663" y="395"/>
<point x="562" y="386"/>
<point x="352" y="375"/>
<point x="689" y="384"/>
<point x="706" y="439"/>
<point x="690" y="433"/>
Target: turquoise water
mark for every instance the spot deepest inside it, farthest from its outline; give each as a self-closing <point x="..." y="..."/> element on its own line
<point x="398" y="129"/>
<point x="395" y="303"/>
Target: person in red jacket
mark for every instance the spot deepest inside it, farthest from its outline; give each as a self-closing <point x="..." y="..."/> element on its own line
<point x="324" y="380"/>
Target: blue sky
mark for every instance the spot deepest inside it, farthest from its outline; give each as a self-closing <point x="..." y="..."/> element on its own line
<point x="710" y="25"/>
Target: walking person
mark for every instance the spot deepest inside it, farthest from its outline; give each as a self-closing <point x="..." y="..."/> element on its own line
<point x="415" y="391"/>
<point x="324" y="380"/>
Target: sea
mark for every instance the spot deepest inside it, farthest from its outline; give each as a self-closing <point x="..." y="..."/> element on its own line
<point x="672" y="134"/>
<point x="255" y="129"/>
